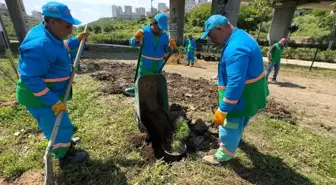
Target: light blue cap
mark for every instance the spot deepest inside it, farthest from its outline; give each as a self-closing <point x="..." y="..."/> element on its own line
<point x="162" y="20"/>
<point x="212" y="22"/>
<point x="58" y="10"/>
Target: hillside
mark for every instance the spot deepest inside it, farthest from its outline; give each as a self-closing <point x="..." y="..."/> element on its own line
<point x="9" y="25"/>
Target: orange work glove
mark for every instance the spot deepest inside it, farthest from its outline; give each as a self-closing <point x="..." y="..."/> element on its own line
<point x="139" y="35"/>
<point x="172" y="44"/>
<point x="58" y="107"/>
<point x="219" y="117"/>
<point x="82" y="35"/>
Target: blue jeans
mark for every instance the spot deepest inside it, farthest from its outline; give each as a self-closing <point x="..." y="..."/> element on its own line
<point x="276" y="66"/>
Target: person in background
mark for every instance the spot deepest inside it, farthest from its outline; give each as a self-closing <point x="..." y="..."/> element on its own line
<point x="190" y="48"/>
<point x="274" y="58"/>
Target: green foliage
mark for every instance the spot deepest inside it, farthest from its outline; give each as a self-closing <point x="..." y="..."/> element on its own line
<point x="97" y="29"/>
<point x="9" y="25"/>
<point x="181" y="132"/>
<point x="8" y="70"/>
<point x="250" y="16"/>
<point x="309" y="25"/>
<point x="198" y="15"/>
<point x="108" y="28"/>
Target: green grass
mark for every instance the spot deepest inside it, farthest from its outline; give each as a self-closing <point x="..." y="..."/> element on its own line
<point x="272" y="152"/>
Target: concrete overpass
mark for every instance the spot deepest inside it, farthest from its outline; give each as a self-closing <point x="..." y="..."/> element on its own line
<point x="283" y="15"/>
<point x="282" y="18"/>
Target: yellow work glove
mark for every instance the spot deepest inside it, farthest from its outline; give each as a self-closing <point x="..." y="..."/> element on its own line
<point x="219" y="117"/>
<point x="58" y="107"/>
<point x="172" y="44"/>
<point x="81" y="35"/>
<point x="139" y="35"/>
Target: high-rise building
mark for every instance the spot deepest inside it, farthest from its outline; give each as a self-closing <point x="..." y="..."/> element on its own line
<point x="3" y="8"/>
<point x="140" y="11"/>
<point x="189" y="5"/>
<point x="154" y="11"/>
<point x="37" y="15"/>
<point x="202" y="1"/>
<point x="116" y="11"/>
<point x="128" y="10"/>
<point x="162" y="7"/>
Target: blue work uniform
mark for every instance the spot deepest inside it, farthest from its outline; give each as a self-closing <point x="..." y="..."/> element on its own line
<point x="153" y="50"/>
<point x="190" y="48"/>
<point x="242" y="89"/>
<point x="44" y="68"/>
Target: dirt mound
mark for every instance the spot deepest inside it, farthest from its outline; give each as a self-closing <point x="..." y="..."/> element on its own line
<point x="276" y="110"/>
<point x="176" y="59"/>
<point x="117" y="76"/>
<point x="200" y="93"/>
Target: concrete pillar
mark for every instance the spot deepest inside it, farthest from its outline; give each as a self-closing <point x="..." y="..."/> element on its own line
<point x="176" y="20"/>
<point x="19" y="18"/>
<point x="228" y="8"/>
<point x="281" y="21"/>
<point x="4" y="41"/>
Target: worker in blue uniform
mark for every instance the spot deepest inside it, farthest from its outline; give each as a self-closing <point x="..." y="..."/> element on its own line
<point x="242" y="87"/>
<point x="190" y="49"/>
<point x="155" y="44"/>
<point x="44" y="68"/>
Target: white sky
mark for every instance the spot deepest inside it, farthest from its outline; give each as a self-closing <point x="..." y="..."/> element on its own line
<point x="90" y="10"/>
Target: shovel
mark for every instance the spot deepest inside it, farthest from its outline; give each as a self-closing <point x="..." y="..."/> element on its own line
<point x="48" y="166"/>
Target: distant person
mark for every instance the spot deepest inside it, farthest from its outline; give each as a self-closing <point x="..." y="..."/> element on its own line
<point x="274" y="58"/>
<point x="242" y="88"/>
<point x="190" y="48"/>
<point x="45" y="69"/>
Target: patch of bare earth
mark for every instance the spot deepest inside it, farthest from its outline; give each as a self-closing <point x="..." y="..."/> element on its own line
<point x="311" y="99"/>
<point x="33" y="177"/>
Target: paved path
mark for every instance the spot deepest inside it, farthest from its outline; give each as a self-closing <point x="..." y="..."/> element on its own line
<point x="307" y="63"/>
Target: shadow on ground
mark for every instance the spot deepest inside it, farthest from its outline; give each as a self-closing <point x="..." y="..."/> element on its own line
<point x="267" y="169"/>
<point x="289" y="85"/>
<point x="96" y="172"/>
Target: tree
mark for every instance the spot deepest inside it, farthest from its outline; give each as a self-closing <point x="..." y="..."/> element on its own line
<point x="109" y="28"/>
<point x="199" y="14"/>
<point x="97" y="29"/>
<point x="81" y="28"/>
<point x="90" y="28"/>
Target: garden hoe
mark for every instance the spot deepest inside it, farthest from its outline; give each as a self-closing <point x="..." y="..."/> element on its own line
<point x="48" y="166"/>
